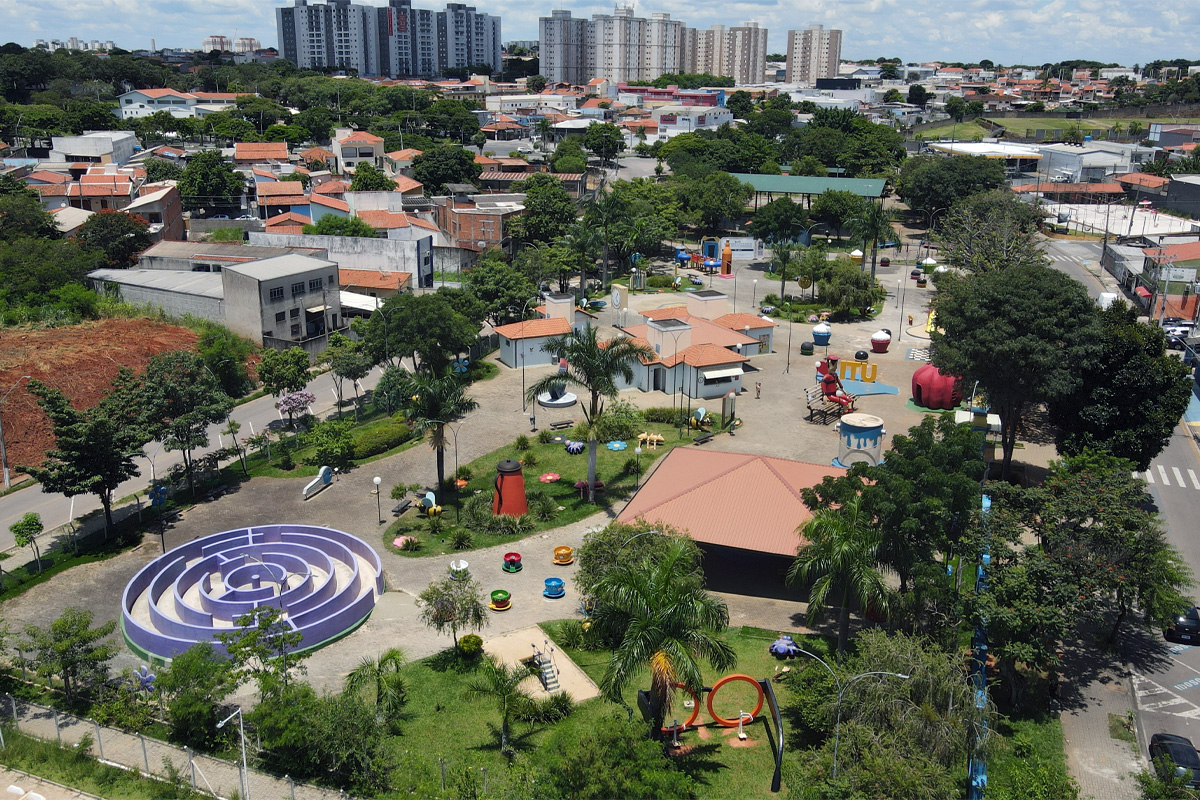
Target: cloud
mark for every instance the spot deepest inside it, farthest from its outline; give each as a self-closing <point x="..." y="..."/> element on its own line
<point x="1012" y="32"/>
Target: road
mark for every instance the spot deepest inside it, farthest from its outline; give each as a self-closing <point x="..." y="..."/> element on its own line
<point x="256" y="416"/>
<point x="1080" y="260"/>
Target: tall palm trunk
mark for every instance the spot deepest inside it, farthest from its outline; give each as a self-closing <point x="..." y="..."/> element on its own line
<point x="592" y="454"/>
<point x="844" y="623"/>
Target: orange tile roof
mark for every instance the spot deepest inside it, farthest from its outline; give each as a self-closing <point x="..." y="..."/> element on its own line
<point x="534" y="328"/>
<point x="56" y="189"/>
<point x="383" y="220"/>
<point x="406" y="185"/>
<point x="46" y="176"/>
<point x="283" y="200"/>
<point x="705" y="355"/>
<point x="105" y="189"/>
<point x="668" y="312"/>
<point x="738" y="322"/>
<point x="372" y="279"/>
<point x="279" y="188"/>
<point x="264" y="173"/>
<point x="260" y="151"/>
<point x="162" y="93"/>
<point x="329" y="202"/>
<point x="1062" y="188"/>
<point x="482" y="159"/>
<point x="749" y="502"/>
<point x="1188" y="251"/>
<point x="289" y="216"/>
<point x="424" y="223"/>
<point x="407" y="154"/>
<point x="316" y="154"/>
<point x="1143" y="179"/>
<point x="332" y="187"/>
<point x="363" y="137"/>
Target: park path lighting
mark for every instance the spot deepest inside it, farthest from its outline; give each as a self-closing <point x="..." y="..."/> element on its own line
<point x="378" y="508"/>
<point x="242" y="733"/>
<point x="637" y="454"/>
<point x="754" y="294"/>
<point x="3" y="453"/>
<point x="524" y="309"/>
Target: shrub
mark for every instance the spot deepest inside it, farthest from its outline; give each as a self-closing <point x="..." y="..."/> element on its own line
<point x="572" y="634"/>
<point x="120" y="707"/>
<point x="621" y="420"/>
<point x="464" y="473"/>
<point x="542" y="506"/>
<point x="507" y="525"/>
<point x="630" y="467"/>
<point x="663" y="416"/>
<point x="659" y="282"/>
<point x="286" y="462"/>
<point x="461" y="538"/>
<point x="522" y="443"/>
<point x="380" y="438"/>
<point x="545" y="435"/>
<point x="434" y="525"/>
<point x="476" y="512"/>
<point x="470" y="645"/>
<point x="410" y="544"/>
<point x="530" y="459"/>
<point x="547" y="709"/>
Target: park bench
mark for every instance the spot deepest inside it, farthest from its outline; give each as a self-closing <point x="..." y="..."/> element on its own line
<point x="703" y="438"/>
<point x="402" y="507"/>
<point x="819" y="404"/>
<point x="562" y="424"/>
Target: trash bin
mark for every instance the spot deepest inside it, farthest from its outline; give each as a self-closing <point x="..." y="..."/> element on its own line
<point x="806" y="349"/>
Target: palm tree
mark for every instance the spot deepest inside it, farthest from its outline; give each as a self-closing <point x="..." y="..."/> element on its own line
<point x="664" y="621"/>
<point x="873" y="226"/>
<point x="381" y="676"/>
<point x="593" y="367"/>
<point x="602" y="214"/>
<point x="430" y="404"/>
<point x="842" y="551"/>
<point x="545" y="129"/>
<point x="783" y="253"/>
<point x="582" y="240"/>
<point x="502" y="683"/>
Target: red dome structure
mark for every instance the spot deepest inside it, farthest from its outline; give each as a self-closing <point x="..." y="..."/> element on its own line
<point x="932" y="389"/>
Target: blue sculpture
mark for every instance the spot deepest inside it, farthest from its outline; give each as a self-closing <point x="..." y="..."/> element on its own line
<point x="784" y="647"/>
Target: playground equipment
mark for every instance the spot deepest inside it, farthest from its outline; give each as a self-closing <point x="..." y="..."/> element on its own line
<point x="501" y="601"/>
<point x="509" y="497"/>
<point x="860" y="439"/>
<point x="880" y="340"/>
<point x="460" y="570"/>
<point x="429" y="506"/>
<point x="932" y="389"/>
<point x="512" y="562"/>
<point x="554" y="588"/>
<point x="324" y="581"/>
<point x="564" y="555"/>
<point x="821" y="334"/>
<point x="784" y="647"/>
<point x="558" y="396"/>
<point x="573" y="447"/>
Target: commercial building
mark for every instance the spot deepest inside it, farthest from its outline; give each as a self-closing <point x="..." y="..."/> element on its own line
<point x="222" y="44"/>
<point x="395" y="40"/>
<point x="813" y="53"/>
<point x="739" y="53"/>
<point x="616" y="47"/>
<point x="144" y="102"/>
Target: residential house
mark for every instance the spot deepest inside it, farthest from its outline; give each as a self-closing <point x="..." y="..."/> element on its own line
<point x="524" y="343"/>
<point x="401" y="161"/>
<point x="144" y="102"/>
<point x="94" y="147"/>
<point x="355" y="147"/>
<point x="374" y="283"/>
<point x="477" y="222"/>
<point x="249" y="153"/>
<point x="160" y="205"/>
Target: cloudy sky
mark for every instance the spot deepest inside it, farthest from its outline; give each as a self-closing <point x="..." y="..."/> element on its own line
<point x="1006" y="31"/>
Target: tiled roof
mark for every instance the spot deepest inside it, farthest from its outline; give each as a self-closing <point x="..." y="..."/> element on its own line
<point x="283" y="200"/>
<point x="407" y="154"/>
<point x="289" y="216"/>
<point x="679" y="312"/>
<point x="1188" y="251"/>
<point x="372" y="279"/>
<point x="260" y="151"/>
<point x="738" y="322"/>
<point x="1143" y="179"/>
<point x="264" y="173"/>
<point x="162" y="93"/>
<point x="332" y="187"/>
<point x="279" y="188"/>
<point x="384" y="220"/>
<point x="407" y="184"/>
<point x="362" y="137"/>
<point x="56" y="189"/>
<point x="534" y="328"/>
<point x="424" y="223"/>
<point x="705" y="355"/>
<point x="329" y="202"/>
<point x="46" y="176"/>
<point x="750" y="502"/>
<point x="485" y="160"/>
<point x="316" y="154"/>
<point x="1062" y="188"/>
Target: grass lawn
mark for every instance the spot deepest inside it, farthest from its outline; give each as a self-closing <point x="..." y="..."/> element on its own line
<point x="550" y="458"/>
<point x="963" y="132"/>
<point x="1029" y="754"/>
<point x="440" y="724"/>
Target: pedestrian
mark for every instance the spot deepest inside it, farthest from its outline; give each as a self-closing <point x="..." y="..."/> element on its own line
<point x="910" y="320"/>
<point x="757" y="390"/>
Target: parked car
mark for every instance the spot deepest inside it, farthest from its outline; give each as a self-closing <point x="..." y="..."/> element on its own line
<point x="1179" y="751"/>
<point x="1185" y="628"/>
<point x="1174" y="342"/>
<point x="220" y="216"/>
<point x="525" y="150"/>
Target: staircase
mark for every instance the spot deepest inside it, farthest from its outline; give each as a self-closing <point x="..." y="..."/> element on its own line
<point x="548" y="674"/>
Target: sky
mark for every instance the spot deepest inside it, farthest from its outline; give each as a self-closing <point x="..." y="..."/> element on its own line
<point x="1005" y="31"/>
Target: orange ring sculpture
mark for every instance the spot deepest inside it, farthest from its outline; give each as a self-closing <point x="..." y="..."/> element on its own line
<point x="732" y="723"/>
<point x="695" y="710"/>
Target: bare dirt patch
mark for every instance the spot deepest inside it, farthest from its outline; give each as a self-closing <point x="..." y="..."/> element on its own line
<point x="81" y="361"/>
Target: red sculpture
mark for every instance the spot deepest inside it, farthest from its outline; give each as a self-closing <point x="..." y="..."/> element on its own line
<point x="932" y="389"/>
<point x="510" y="489"/>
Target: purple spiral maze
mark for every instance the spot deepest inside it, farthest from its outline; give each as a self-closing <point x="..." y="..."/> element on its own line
<point x="323" y="580"/>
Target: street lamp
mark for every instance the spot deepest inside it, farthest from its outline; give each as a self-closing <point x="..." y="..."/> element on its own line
<point x="931" y="215"/>
<point x="378" y="508"/>
<point x="3" y="454"/>
<point x="754" y="294"/>
<point x="637" y="453"/>
<point x="791" y="324"/>
<point x="242" y="733"/>
<point x="524" y="309"/>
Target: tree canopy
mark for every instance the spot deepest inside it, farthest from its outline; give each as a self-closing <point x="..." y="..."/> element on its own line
<point x="935" y="183"/>
<point x="118" y="235"/>
<point x="209" y="182"/>
<point x="370" y="178"/>
<point x="331" y="225"/>
<point x="442" y="165"/>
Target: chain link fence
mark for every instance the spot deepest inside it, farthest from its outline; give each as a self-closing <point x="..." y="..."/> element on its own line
<point x="214" y="776"/>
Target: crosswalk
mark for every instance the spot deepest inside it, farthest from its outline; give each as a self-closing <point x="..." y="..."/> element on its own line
<point x="1158" y="475"/>
<point x="1152" y="696"/>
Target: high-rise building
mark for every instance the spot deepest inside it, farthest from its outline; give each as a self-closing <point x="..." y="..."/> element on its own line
<point x="617" y="46"/>
<point x="395" y="40"/>
<point x="219" y="43"/>
<point x="813" y="53"/>
<point x="246" y="45"/>
<point x="739" y="53"/>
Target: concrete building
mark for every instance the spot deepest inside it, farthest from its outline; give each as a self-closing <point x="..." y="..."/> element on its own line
<point x="560" y="48"/>
<point x="396" y="40"/>
<point x="523" y="343"/>
<point x="94" y="147"/>
<point x="213" y="256"/>
<point x="812" y="53"/>
<point x="739" y="53"/>
<point x="246" y="44"/>
<point x="617" y="47"/>
<point x="1091" y="161"/>
<point x="160" y="205"/>
<point x="477" y="222"/>
<point x="354" y="147"/>
<point x="221" y="44"/>
<point x="144" y="102"/>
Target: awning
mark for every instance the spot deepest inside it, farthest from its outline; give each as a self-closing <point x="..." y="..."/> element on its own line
<point x="1142" y="292"/>
<point x="724" y="372"/>
<point x="317" y="309"/>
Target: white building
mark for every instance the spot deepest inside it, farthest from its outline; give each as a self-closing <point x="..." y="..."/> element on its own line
<point x="246" y="45"/>
<point x="673" y="120"/>
<point x="739" y="52"/>
<point x="144" y="102"/>
<point x="813" y="53"/>
<point x="619" y="47"/>
<point x="94" y="147"/>
<point x="560" y="48"/>
<point x="222" y="44"/>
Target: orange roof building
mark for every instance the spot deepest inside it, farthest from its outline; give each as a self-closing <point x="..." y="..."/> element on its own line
<point x="259" y="152"/>
<point x="729" y="500"/>
<point x="375" y="283"/>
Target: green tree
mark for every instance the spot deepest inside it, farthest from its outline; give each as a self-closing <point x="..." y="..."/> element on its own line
<point x="956" y="107"/>
<point x="836" y="208"/>
<point x="549" y="210"/>
<point x="330" y="225"/>
<point x="933" y="183"/>
<point x="453" y="605"/>
<point x="501" y="683"/>
<point x="180" y="399"/>
<point x="780" y="220"/>
<point x="841" y="551"/>
<point x="784" y="258"/>
<point x="25" y="532"/>
<point x="332" y="441"/>
<point x="118" y="235"/>
<point x="917" y="95"/>
<point x="618" y="542"/>
<point x="1020" y="333"/>
<point x="442" y="165"/>
<point x="93" y="451"/>
<point x="283" y="371"/>
<point x="740" y="103"/>
<point x="535" y="83"/>
<point x="605" y="140"/>
<point x="503" y="289"/>
<point x="845" y="287"/>
<point x="431" y="404"/>
<point x="382" y="681"/>
<point x="451" y="119"/>
<point x="21" y="212"/>
<point x="194" y="685"/>
<point x="1162" y="782"/>
<point x="872" y="226"/>
<point x="209" y="182"/>
<point x="1130" y="396"/>
<point x="665" y="622"/>
<point x="893" y="96"/>
<point x="71" y="649"/>
<point x="347" y="361"/>
<point x="717" y="197"/>
<point x="369" y="178"/>
<point x="160" y="169"/>
<point x="992" y="231"/>
<point x="809" y="165"/>
<point x="427" y="327"/>
<point x="263" y="646"/>
<point x="594" y="369"/>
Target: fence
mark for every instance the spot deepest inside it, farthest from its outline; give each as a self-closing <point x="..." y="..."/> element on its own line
<point x="151" y="756"/>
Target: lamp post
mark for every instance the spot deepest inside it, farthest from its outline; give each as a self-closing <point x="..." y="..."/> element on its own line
<point x="242" y="734"/>
<point x="524" y="309"/>
<point x="842" y="687"/>
<point x="931" y="215"/>
<point x="754" y="293"/>
<point x="637" y="453"/>
<point x="3" y="454"/>
<point x="791" y="324"/>
<point x="675" y="384"/>
<point x="378" y="508"/>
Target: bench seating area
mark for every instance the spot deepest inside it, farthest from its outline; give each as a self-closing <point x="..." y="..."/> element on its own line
<point x="703" y="438"/>
<point x="402" y="507"/>
<point x="562" y="424"/>
<point x="820" y="405"/>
